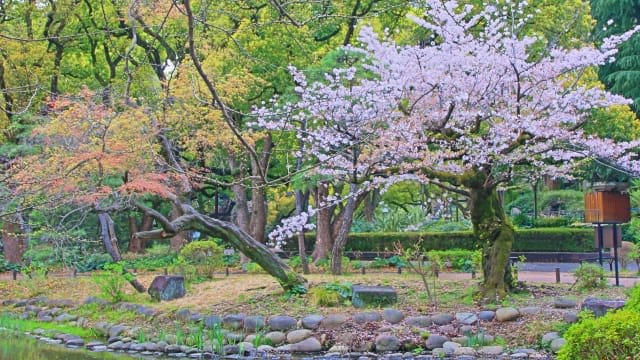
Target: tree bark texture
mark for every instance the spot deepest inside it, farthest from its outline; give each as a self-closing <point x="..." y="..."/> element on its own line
<point x="14" y="239"/>
<point x="238" y="238"/>
<point x="324" y="237"/>
<point x="495" y="235"/>
<point x="110" y="241"/>
<point x="342" y="233"/>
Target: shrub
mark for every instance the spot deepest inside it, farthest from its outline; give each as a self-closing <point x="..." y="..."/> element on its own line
<point x="181" y="267"/>
<point x="634" y="299"/>
<point x="537" y="239"/>
<point x="206" y="256"/>
<point x="589" y="277"/>
<point x="616" y="335"/>
<point x="253" y="268"/>
<point x="456" y="259"/>
<point x="92" y="262"/>
<point x="547" y="222"/>
<point x="111" y="282"/>
<point x="321" y="296"/>
<point x="34" y="279"/>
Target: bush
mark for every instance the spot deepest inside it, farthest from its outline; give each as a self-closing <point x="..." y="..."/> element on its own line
<point x="321" y="296"/>
<point x="526" y="240"/>
<point x="616" y="335"/>
<point x="589" y="277"/>
<point x="547" y="222"/>
<point x="92" y="262"/>
<point x="206" y="256"/>
<point x="634" y="299"/>
<point x="253" y="268"/>
<point x="111" y="282"/>
<point x="456" y="259"/>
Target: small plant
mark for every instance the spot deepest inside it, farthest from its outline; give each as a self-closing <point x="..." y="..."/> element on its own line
<point x="111" y="282"/>
<point x="589" y="277"/>
<point x="321" y="296"/>
<point x="295" y="291"/>
<point x="378" y="263"/>
<point x="216" y="336"/>
<point x="34" y="279"/>
<point x="476" y="340"/>
<point x="142" y="338"/>
<point x="296" y="262"/>
<point x="260" y="339"/>
<point x="253" y="268"/>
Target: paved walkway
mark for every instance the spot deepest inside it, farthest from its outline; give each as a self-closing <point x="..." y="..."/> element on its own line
<point x="545" y="272"/>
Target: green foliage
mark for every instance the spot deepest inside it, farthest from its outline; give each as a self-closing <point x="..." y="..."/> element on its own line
<point x="34" y="279"/>
<point x="456" y="259"/>
<point x="13" y="322"/>
<point x="111" y="282"/>
<point x="92" y="262"/>
<point x="253" y="268"/>
<point x="476" y="340"/>
<point x="295" y="291"/>
<point x="321" y="296"/>
<point x="616" y="335"/>
<point x="296" y="262"/>
<point x="181" y="266"/>
<point x="331" y="294"/>
<point x="633" y="303"/>
<point x="589" y="277"/>
<point x="551" y="221"/>
<point x="206" y="256"/>
<point x="538" y="239"/>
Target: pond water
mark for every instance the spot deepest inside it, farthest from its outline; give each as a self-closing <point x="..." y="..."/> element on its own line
<point x="16" y="347"/>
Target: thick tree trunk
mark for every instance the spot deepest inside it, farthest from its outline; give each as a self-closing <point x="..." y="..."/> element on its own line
<point x="182" y="237"/>
<point x="370" y="204"/>
<point x="324" y="237"/>
<point x="136" y="245"/>
<point x="342" y="234"/>
<point x="495" y="235"/>
<point x="258" y="222"/>
<point x="14" y="239"/>
<point x="238" y="238"/>
<point x="110" y="241"/>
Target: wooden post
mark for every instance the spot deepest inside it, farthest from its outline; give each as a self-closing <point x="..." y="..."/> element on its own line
<point x="362" y="270"/>
<point x="436" y="272"/>
<point x="557" y="275"/>
<point x="473" y="274"/>
<point x="226" y="271"/>
<point x="14" y="273"/>
<point x="399" y="269"/>
<point x="615" y="253"/>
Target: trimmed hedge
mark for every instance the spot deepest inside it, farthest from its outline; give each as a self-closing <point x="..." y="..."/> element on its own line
<point x="526" y="240"/>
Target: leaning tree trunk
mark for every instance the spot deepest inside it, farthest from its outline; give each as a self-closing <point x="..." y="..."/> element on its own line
<point x="108" y="234"/>
<point x="238" y="238"/>
<point x="495" y="235"/>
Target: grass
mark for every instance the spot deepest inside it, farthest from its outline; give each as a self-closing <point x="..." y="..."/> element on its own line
<point x="97" y="312"/>
<point x="11" y="322"/>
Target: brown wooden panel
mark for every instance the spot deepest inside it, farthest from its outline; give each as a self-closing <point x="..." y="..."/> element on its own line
<point x="607" y="207"/>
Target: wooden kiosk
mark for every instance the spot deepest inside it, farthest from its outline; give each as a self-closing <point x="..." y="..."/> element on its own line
<point x="608" y="206"/>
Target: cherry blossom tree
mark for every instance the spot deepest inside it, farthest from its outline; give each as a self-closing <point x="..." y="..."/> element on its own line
<point x="467" y="112"/>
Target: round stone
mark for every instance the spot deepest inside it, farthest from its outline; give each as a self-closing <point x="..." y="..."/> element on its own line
<point x="466" y="318"/>
<point x="385" y="343"/>
<point x="419" y="321"/>
<point x="392" y="316"/>
<point x="365" y="317"/>
<point x="334" y="321"/>
<point x="253" y="323"/>
<point x="276" y="337"/>
<point x="564" y="303"/>
<point x="570" y="317"/>
<point x="491" y="350"/>
<point x="282" y="323"/>
<point x="312" y="321"/>
<point x="435" y="341"/>
<point x="507" y="314"/>
<point x="442" y="318"/>
<point x="486" y="315"/>
<point x="549" y="337"/>
<point x="297" y="336"/>
<point x="307" y="345"/>
<point x="557" y="344"/>
<point x="450" y="347"/>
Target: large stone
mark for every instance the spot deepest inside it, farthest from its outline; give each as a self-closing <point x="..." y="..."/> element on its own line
<point x="297" y="336"/>
<point x="365" y="317"/>
<point x="116" y="330"/>
<point x="599" y="307"/>
<point x="435" y="341"/>
<point x="167" y="287"/>
<point x="276" y="337"/>
<point x="212" y="320"/>
<point x="307" y="345"/>
<point x="253" y="323"/>
<point x="487" y="315"/>
<point x="66" y="317"/>
<point x="334" y="321"/>
<point x="464" y="351"/>
<point x="373" y="296"/>
<point x="507" y="314"/>
<point x="386" y="343"/>
<point x="282" y="323"/>
<point x="570" y="317"/>
<point x="491" y="350"/>
<point x="442" y="318"/>
<point x="564" y="303"/>
<point x="312" y="321"/>
<point x="557" y="344"/>
<point x="529" y="310"/>
<point x="450" y="347"/>
<point x="183" y="315"/>
<point x="419" y="321"/>
<point x="233" y="321"/>
<point x="549" y="337"/>
<point x="392" y="316"/>
<point x="466" y="318"/>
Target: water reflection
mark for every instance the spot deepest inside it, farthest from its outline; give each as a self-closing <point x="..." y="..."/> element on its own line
<point x="14" y="347"/>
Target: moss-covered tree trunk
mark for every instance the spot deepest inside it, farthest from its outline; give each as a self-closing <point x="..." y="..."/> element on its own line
<point x="495" y="235"/>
